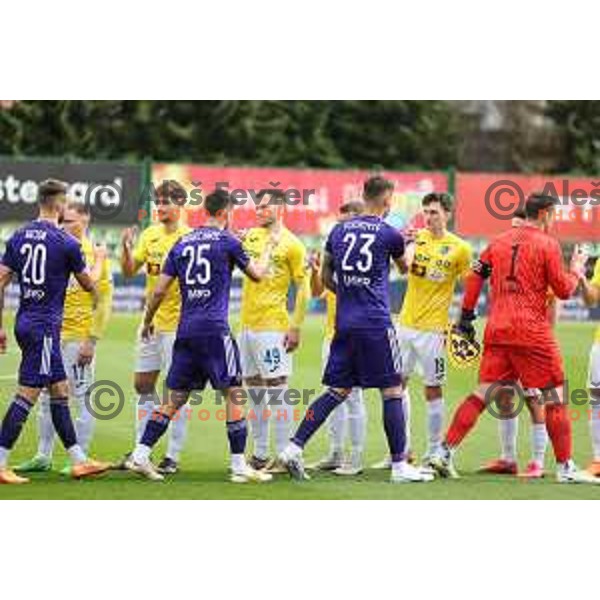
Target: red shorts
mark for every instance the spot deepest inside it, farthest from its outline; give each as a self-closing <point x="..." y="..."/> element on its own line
<point x="534" y="366"/>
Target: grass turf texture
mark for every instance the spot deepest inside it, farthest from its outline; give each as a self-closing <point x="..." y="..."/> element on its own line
<point x="204" y="460"/>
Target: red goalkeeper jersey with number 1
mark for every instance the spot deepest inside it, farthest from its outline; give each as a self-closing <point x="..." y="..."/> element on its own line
<point x="525" y="263"/>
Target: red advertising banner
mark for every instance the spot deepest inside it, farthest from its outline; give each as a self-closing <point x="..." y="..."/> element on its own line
<point x="314" y="195"/>
<point x="486" y="202"/>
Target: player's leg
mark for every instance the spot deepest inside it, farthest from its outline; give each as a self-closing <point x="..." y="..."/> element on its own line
<point x="179" y="426"/>
<point x="336" y="426"/>
<point x="539" y="435"/>
<point x="594" y="414"/>
<point x="258" y="403"/>
<point x="357" y="425"/>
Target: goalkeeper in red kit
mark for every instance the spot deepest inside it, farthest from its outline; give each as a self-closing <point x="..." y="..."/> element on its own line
<point x="519" y="345"/>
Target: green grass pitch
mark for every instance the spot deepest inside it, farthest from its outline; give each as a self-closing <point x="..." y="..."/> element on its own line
<point x="203" y="473"/>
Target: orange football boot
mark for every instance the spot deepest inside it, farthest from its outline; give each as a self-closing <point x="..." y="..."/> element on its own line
<point x="533" y="471"/>
<point x="89" y="469"/>
<point x="10" y="477"/>
<point x="594" y="468"/>
<point x="500" y="467"/>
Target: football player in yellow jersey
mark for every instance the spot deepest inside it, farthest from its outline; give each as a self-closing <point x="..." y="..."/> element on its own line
<point x="436" y="261"/>
<point x="269" y="335"/>
<point x="84" y="321"/>
<point x="352" y="412"/>
<point x="591" y="296"/>
<point x="154" y="354"/>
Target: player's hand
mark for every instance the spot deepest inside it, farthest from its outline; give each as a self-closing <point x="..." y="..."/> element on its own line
<point x="579" y="260"/>
<point x="2" y="341"/>
<point x="147" y="332"/>
<point x="100" y="253"/>
<point x="291" y="340"/>
<point x="127" y="236"/>
<point x="315" y="261"/>
<point x="465" y="324"/>
<point x="410" y="233"/>
<point x="85" y="356"/>
<point x="240" y="234"/>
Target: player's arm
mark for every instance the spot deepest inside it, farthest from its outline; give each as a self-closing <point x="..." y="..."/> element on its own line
<point x="316" y="276"/>
<point x="158" y="295"/>
<point x="256" y="270"/>
<point x="327" y="272"/>
<point x="474" y="281"/>
<point x="131" y="261"/>
<point x="591" y="289"/>
<point x="5" y="278"/>
<point x="103" y="305"/>
<point x="562" y="282"/>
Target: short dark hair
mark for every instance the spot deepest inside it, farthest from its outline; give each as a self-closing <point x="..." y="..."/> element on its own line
<point x="352" y="207"/>
<point x="216" y="202"/>
<point x="49" y="189"/>
<point x="536" y="203"/>
<point x="520" y="213"/>
<point x="277" y="196"/>
<point x="444" y="199"/>
<point x="375" y="187"/>
<point x="172" y="189"/>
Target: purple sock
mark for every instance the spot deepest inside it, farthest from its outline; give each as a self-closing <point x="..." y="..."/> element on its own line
<point x="13" y="421"/>
<point x="393" y="423"/>
<point x="61" y="419"/>
<point x="237" y="432"/>
<point x="155" y="429"/>
<point x="316" y="415"/>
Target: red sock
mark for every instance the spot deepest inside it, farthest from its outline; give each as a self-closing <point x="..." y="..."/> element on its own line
<point x="559" y="431"/>
<point x="464" y="419"/>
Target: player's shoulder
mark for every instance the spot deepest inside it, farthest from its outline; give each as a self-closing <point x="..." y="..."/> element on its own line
<point x="458" y="242"/>
<point x="184" y="230"/>
<point x="153" y="232"/>
<point x="292" y="239"/>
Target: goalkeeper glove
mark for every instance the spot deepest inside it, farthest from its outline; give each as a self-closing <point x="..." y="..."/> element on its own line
<point x="465" y="324"/>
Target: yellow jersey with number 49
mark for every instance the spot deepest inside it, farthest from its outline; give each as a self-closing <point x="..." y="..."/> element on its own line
<point x="264" y="304"/>
<point x="151" y="250"/>
<point x="596" y="282"/>
<point x="437" y="265"/>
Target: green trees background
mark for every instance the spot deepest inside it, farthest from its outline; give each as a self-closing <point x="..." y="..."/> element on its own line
<point x="399" y="134"/>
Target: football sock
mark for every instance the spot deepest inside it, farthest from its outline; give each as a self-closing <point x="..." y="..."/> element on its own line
<point x="155" y="429"/>
<point x="258" y="404"/>
<point x="395" y="428"/>
<point x="281" y="417"/>
<point x="145" y="405"/>
<point x="46" y="429"/>
<point x="508" y="438"/>
<point x="237" y="433"/>
<point x="178" y="432"/>
<point x="61" y="419"/>
<point x="406" y="401"/>
<point x="84" y="424"/>
<point x="13" y="422"/>
<point x="316" y="415"/>
<point x="464" y="419"/>
<point x="539" y="441"/>
<point x="357" y="420"/>
<point x="337" y="428"/>
<point x="595" y="430"/>
<point x="435" y="424"/>
<point x="558" y="426"/>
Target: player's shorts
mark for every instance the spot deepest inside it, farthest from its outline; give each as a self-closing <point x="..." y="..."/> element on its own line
<point x="155" y="354"/>
<point x="263" y="354"/>
<point x="41" y="357"/>
<point x="423" y="352"/>
<point x="537" y="367"/>
<point x="594" y="368"/>
<point x="366" y="359"/>
<point x="80" y="377"/>
<point x="213" y="358"/>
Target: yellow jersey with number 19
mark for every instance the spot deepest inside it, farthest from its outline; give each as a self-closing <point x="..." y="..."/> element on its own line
<point x="596" y="282"/>
<point x="264" y="304"/>
<point x="151" y="250"/>
<point x="437" y="265"/>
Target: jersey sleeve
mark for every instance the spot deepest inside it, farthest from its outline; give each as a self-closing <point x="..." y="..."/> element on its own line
<point x="237" y="253"/>
<point x="596" y="277"/>
<point x="170" y="265"/>
<point x="562" y="283"/>
<point x="140" y="252"/>
<point x="9" y="259"/>
<point x="396" y="243"/>
<point x="465" y="259"/>
<point x="76" y="258"/>
<point x="483" y="265"/>
<point x="297" y="259"/>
